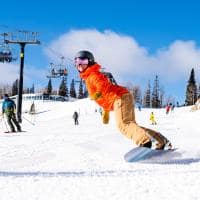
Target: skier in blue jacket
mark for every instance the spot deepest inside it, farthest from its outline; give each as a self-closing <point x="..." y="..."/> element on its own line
<point x="8" y="108"/>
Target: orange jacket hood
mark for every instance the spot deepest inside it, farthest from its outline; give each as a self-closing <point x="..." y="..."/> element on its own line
<point x="97" y="82"/>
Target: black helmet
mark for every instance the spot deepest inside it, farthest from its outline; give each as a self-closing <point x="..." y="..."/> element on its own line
<point x="86" y="54"/>
<point x="6" y="95"/>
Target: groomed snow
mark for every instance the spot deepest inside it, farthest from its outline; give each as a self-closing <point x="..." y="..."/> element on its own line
<point x="56" y="160"/>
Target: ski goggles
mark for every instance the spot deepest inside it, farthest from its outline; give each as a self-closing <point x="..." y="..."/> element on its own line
<point x="81" y="61"/>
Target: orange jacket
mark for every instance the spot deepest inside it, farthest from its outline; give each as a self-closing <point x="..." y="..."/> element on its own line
<point x="97" y="82"/>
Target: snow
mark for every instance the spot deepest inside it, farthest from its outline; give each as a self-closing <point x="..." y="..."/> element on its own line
<point x="56" y="160"/>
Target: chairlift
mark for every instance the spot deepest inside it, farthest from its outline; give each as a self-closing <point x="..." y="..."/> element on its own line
<point x="57" y="71"/>
<point x="7" y="54"/>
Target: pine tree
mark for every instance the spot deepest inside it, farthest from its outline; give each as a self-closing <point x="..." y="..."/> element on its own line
<point x="72" y="89"/>
<point x="49" y="87"/>
<point x="147" y="96"/>
<point x="155" y="102"/>
<point x="32" y="89"/>
<point x="162" y="96"/>
<point x="15" y="88"/>
<point x="63" y="88"/>
<point x="80" y="93"/>
<point x="137" y="94"/>
<point x="26" y="91"/>
<point x="191" y="90"/>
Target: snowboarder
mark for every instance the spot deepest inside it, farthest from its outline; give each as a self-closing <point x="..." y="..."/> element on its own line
<point x="105" y="116"/>
<point x="152" y="119"/>
<point x="168" y="107"/>
<point x="8" y="108"/>
<point x="75" y="117"/>
<point x="100" y="111"/>
<point x="114" y="97"/>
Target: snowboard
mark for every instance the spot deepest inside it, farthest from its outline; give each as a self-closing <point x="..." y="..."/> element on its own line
<point x="144" y="153"/>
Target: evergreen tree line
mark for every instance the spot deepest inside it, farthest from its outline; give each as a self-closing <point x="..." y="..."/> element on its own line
<point x="154" y="97"/>
<point x="12" y="90"/>
<point x="63" y="89"/>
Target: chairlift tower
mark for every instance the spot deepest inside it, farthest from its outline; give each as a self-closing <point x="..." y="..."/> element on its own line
<point x="22" y="38"/>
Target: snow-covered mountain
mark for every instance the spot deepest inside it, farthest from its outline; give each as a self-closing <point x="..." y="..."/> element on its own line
<point x="56" y="160"/>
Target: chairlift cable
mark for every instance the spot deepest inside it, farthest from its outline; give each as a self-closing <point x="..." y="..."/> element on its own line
<point x="58" y="54"/>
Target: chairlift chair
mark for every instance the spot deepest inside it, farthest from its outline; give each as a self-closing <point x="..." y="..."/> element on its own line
<point x="6" y="54"/>
<point x="56" y="71"/>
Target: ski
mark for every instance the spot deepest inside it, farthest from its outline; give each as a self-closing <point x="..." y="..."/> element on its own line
<point x="13" y="132"/>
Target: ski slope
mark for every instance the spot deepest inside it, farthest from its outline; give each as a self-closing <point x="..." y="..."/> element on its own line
<point x="56" y="160"/>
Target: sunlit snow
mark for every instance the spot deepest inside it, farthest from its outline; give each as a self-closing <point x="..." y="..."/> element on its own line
<point x="56" y="160"/>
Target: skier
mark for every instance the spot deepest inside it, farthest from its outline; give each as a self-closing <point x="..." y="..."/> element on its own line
<point x="114" y="97"/>
<point x="75" y="117"/>
<point x="8" y="108"/>
<point x="152" y="119"/>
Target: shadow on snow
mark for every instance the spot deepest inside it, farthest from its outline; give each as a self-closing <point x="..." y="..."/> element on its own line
<point x="104" y="173"/>
<point x="183" y="161"/>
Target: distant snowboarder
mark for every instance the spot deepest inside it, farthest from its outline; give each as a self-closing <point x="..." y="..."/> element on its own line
<point x="152" y="119"/>
<point x="168" y="107"/>
<point x="100" y="111"/>
<point x="114" y="97"/>
<point x="8" y="108"/>
<point x="75" y="117"/>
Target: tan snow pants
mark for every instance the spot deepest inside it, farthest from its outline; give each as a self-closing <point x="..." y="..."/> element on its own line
<point x="125" y="119"/>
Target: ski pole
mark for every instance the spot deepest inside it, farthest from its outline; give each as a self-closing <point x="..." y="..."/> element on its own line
<point x="29" y="121"/>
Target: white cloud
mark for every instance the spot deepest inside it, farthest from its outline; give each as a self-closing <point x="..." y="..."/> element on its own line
<point x="8" y="73"/>
<point x="125" y="58"/>
<point x="33" y="75"/>
<point x="177" y="60"/>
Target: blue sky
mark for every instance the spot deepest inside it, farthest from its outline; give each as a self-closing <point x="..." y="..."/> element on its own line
<point x="135" y="40"/>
